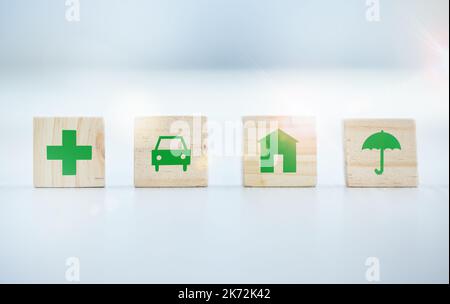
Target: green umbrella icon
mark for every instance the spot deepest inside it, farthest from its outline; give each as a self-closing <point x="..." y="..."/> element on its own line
<point x="381" y="141"/>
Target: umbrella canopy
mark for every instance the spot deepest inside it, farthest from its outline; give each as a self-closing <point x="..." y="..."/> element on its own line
<point x="381" y="141"/>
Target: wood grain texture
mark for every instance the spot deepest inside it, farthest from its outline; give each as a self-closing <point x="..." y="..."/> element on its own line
<point x="48" y="132"/>
<point x="146" y="133"/>
<point x="400" y="164"/>
<point x="302" y="129"/>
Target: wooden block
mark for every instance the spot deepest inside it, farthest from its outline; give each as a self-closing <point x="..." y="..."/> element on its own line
<point x="279" y="151"/>
<point x="380" y="153"/>
<point x="170" y="151"/>
<point x="69" y="152"/>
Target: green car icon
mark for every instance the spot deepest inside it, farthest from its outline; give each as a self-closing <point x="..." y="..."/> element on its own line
<point x="171" y="157"/>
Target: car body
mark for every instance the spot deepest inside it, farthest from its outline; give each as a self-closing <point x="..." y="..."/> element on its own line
<point x="171" y="157"/>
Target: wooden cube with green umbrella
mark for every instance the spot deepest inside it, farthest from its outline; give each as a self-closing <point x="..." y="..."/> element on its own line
<point x="380" y="153"/>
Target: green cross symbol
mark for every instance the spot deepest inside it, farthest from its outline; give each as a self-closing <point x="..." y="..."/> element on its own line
<point x="69" y="152"/>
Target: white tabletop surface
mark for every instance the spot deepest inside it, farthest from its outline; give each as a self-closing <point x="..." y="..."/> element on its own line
<point x="224" y="234"/>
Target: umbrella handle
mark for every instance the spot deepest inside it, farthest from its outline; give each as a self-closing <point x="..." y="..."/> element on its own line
<point x="381" y="170"/>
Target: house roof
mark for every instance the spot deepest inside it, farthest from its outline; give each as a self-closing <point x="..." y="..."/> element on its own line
<point x="280" y="132"/>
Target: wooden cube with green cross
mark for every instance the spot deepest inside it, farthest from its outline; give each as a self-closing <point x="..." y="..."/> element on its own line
<point x="69" y="152"/>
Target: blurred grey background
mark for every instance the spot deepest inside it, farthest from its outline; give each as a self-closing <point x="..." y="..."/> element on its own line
<point x="224" y="59"/>
<point x="222" y="34"/>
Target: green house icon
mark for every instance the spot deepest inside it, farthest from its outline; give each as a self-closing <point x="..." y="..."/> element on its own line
<point x="278" y="143"/>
